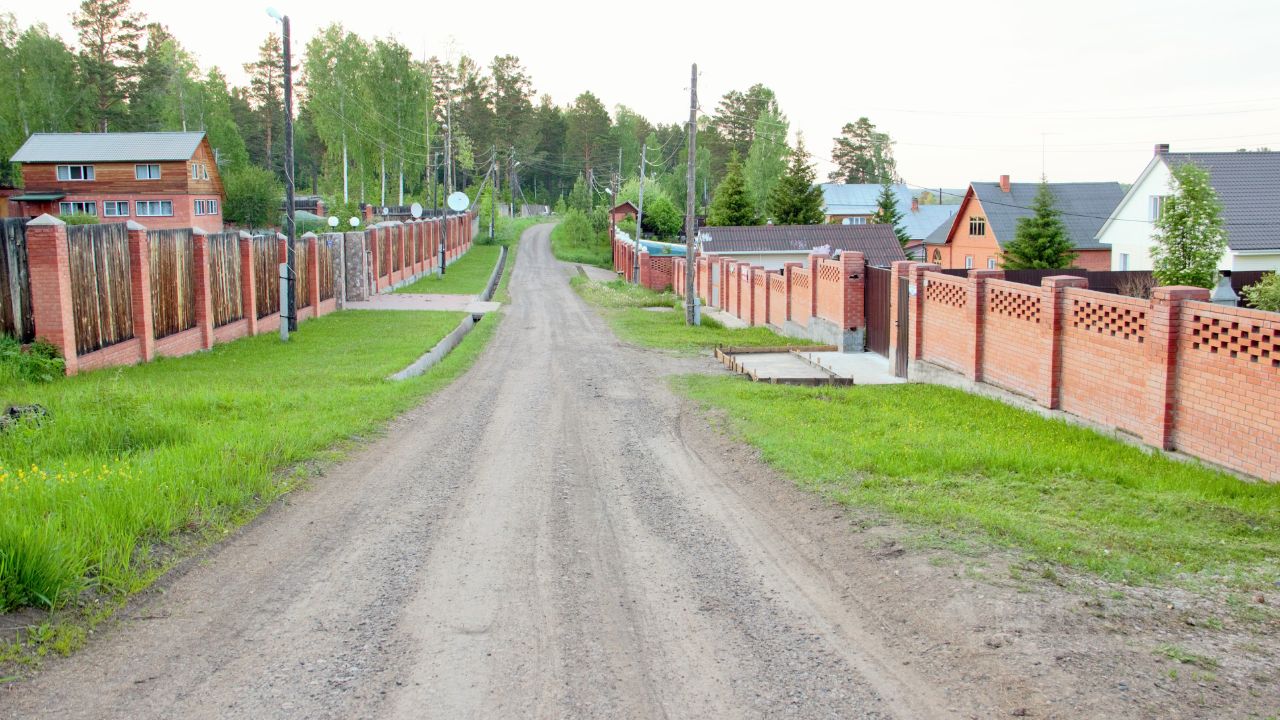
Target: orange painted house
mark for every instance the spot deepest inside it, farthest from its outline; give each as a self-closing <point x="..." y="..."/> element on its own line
<point x="989" y="214"/>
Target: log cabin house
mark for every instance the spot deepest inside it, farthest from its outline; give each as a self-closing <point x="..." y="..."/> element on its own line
<point x="161" y="180"/>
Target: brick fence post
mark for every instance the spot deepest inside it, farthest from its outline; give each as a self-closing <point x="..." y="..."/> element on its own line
<point x="753" y="271"/>
<point x="813" y="284"/>
<point x="915" y="313"/>
<point x="1161" y="356"/>
<point x="49" y="272"/>
<point x="787" y="269"/>
<point x="853" y="278"/>
<point x="140" y="279"/>
<point x="312" y="260"/>
<point x="762" y="313"/>
<point x="1052" y="310"/>
<point x="203" y="292"/>
<point x="373" y="253"/>
<point x="977" y="315"/>
<point x="248" y="290"/>
<point x="644" y="268"/>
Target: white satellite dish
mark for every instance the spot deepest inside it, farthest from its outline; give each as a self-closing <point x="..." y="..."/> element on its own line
<point x="386" y="210"/>
<point x="355" y="221"/>
<point x="459" y="202"/>
<point x="416" y="210"/>
<point x="333" y="221"/>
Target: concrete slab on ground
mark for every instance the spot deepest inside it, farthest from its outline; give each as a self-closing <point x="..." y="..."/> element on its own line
<point x="598" y="274"/>
<point x="732" y="322"/>
<point x="864" y="368"/>
<point x="413" y="301"/>
<point x="781" y="367"/>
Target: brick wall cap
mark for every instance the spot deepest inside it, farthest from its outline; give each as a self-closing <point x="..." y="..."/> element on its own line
<point x="1056" y="281"/>
<point x="198" y="231"/>
<point x="45" y="219"/>
<point x="983" y="273"/>
<point x="244" y="235"/>
<point x="281" y="236"/>
<point x="306" y="235"/>
<point x="1179" y="292"/>
<point x="135" y="226"/>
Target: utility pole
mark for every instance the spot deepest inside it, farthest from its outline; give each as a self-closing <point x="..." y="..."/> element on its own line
<point x="511" y="186"/>
<point x="448" y="135"/>
<point x="639" y="217"/>
<point x="288" y="276"/>
<point x="691" y="310"/>
<point x="493" y="199"/>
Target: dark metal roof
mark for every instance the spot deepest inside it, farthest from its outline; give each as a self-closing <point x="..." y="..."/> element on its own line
<point x="1084" y="207"/>
<point x="37" y="197"/>
<point x="1247" y="183"/>
<point x="877" y="242"/>
<point x="108" y="147"/>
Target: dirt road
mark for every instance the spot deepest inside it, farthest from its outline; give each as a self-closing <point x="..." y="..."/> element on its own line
<point x="557" y="535"/>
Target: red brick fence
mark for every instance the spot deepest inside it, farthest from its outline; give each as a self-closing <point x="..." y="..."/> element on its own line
<point x="1175" y="371"/>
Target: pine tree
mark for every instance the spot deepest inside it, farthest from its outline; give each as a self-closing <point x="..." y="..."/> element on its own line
<point x="1190" y="236"/>
<point x="731" y="205"/>
<point x="1040" y="241"/>
<point x="796" y="199"/>
<point x="579" y="198"/>
<point x="887" y="212"/>
<point x="109" y="32"/>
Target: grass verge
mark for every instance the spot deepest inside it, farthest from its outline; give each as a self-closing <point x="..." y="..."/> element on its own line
<point x="466" y="276"/>
<point x="129" y="463"/>
<point x="1060" y="492"/>
<point x="623" y="305"/>
<point x="575" y="241"/>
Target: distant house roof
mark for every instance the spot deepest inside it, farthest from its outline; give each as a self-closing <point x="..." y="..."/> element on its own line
<point x="862" y="199"/>
<point x="877" y="242"/>
<point x="1084" y="207"/>
<point x="922" y="222"/>
<point x="108" y="147"/>
<point x="1248" y="184"/>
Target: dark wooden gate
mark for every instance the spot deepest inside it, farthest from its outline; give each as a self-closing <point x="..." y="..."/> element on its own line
<point x="879" y="285"/>
<point x="903" y="324"/>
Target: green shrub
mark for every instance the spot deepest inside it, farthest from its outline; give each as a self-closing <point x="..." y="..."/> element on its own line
<point x="1265" y="294"/>
<point x="577" y="240"/>
<point x="79" y="219"/>
<point x="38" y="362"/>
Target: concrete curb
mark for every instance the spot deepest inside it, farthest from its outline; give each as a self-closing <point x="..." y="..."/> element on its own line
<point x="437" y="353"/>
<point x="496" y="276"/>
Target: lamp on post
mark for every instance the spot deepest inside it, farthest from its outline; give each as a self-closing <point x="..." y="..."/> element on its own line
<point x="288" y="313"/>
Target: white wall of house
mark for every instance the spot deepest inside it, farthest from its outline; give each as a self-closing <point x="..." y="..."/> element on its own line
<point x="769" y="260"/>
<point x="1129" y="233"/>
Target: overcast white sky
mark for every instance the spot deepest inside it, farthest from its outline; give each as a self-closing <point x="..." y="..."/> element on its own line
<point x="969" y="90"/>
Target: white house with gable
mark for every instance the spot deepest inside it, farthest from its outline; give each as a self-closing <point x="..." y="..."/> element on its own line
<point x="1247" y="184"/>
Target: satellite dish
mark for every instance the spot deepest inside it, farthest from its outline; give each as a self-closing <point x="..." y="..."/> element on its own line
<point x="416" y="210"/>
<point x="354" y="221"/>
<point x="386" y="210"/>
<point x="333" y="221"/>
<point x="459" y="202"/>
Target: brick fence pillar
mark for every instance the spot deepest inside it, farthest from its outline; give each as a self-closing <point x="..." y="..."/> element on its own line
<point x="140" y="279"/>
<point x="312" y="260"/>
<point x="977" y="314"/>
<point x="1161" y="357"/>
<point x="1052" y="309"/>
<point x="248" y="290"/>
<point x="203" y="291"/>
<point x="814" y="258"/>
<point x="752" y="271"/>
<point x="787" y="269"/>
<point x="645" y="278"/>
<point x="915" y="313"/>
<point x="49" y="272"/>
<point x="853" y="278"/>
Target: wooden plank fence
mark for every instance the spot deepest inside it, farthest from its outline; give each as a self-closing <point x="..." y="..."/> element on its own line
<point x="301" y="296"/>
<point x="173" y="292"/>
<point x="326" y="251"/>
<point x="225" y="296"/>
<point x="101" y="289"/>
<point x="266" y="274"/>
<point x="16" y="319"/>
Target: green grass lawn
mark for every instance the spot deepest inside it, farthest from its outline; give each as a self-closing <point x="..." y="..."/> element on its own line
<point x="574" y="243"/>
<point x="466" y="276"/>
<point x="623" y="306"/>
<point x="132" y="463"/>
<point x="964" y="463"/>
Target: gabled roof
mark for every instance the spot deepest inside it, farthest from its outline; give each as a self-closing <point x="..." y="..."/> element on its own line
<point x="921" y="223"/>
<point x="1248" y="184"/>
<point x="108" y="147"/>
<point x="859" y="198"/>
<point x="877" y="242"/>
<point x="1084" y="207"/>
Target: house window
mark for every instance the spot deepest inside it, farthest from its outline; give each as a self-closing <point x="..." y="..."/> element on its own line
<point x="115" y="208"/>
<point x="77" y="208"/>
<point x="854" y="221"/>
<point x="991" y="263"/>
<point x="1123" y="263"/>
<point x="1155" y="206"/>
<point x="146" y="172"/>
<point x="154" y="208"/>
<point x="206" y="207"/>
<point x="204" y="171"/>
<point x="968" y="262"/>
<point x="977" y="225"/>
<point x="199" y="171"/>
<point x="75" y="172"/>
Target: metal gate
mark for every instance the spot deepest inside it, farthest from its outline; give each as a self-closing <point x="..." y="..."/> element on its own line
<point x="903" y="322"/>
<point x="714" y="293"/>
<point x="879" y="286"/>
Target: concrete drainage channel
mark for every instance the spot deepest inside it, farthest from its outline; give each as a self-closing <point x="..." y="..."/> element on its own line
<point x="454" y="338"/>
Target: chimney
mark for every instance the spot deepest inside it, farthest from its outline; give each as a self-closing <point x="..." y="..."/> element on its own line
<point x="1004" y="183"/>
<point x="915" y="204"/>
<point x="1162" y="149"/>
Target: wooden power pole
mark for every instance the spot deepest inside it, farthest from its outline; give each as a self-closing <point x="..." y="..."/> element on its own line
<point x="691" y="310"/>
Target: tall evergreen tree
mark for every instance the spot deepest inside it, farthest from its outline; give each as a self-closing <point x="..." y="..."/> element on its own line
<point x="109" y="33"/>
<point x="796" y="199"/>
<point x="767" y="159"/>
<point x="587" y="133"/>
<point x="731" y="205"/>
<point x="579" y="198"/>
<point x="1190" y="236"/>
<point x="888" y="213"/>
<point x="1040" y="241"/>
<point x="863" y="154"/>
<point x="266" y="94"/>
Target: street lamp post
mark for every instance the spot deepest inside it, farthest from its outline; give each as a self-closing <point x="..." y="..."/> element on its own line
<point x="289" y="312"/>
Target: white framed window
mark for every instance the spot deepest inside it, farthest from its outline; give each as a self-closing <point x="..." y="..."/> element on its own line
<point x="968" y="262"/>
<point x="115" y="208"/>
<point x="199" y="171"/>
<point x="206" y="207"/>
<point x="204" y="171"/>
<point x="77" y="208"/>
<point x="854" y="221"/>
<point x="75" y="172"/>
<point x="146" y="172"/>
<point x="977" y="225"/>
<point x="1123" y="263"/>
<point x="991" y="263"/>
<point x="1155" y="206"/>
<point x="153" y="208"/>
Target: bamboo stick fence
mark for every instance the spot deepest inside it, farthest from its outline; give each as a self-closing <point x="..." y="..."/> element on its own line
<point x="15" y="282"/>
<point x="173" y="293"/>
<point x="225" y="296"/>
<point x="101" y="289"/>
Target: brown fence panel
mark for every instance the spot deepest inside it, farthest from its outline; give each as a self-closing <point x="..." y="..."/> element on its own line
<point x="878" y="287"/>
<point x="16" y="319"/>
<point x="301" y="298"/>
<point x="224" y="278"/>
<point x="266" y="274"/>
<point x="173" y="292"/>
<point x="101" y="290"/>
<point x="325" y="253"/>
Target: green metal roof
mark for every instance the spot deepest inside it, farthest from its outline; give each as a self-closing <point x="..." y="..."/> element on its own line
<point x="38" y="197"/>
